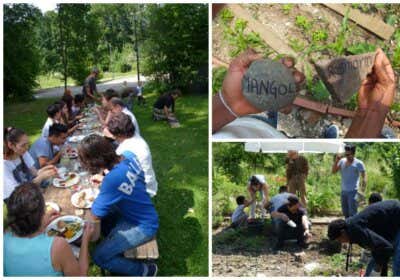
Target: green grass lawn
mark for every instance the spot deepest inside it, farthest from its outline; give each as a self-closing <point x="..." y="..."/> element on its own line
<point x="180" y="159"/>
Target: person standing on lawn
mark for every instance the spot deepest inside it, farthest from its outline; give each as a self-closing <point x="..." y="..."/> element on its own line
<point x="291" y="222"/>
<point x="123" y="210"/>
<point x="139" y="89"/>
<point x="43" y="150"/>
<point x="350" y="169"/>
<point x="257" y="183"/>
<point x="19" y="166"/>
<point x="376" y="228"/>
<point x="123" y="131"/>
<point x="296" y="175"/>
<point x="89" y="89"/>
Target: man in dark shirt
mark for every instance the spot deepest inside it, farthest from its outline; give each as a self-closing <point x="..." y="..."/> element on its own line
<point x="164" y="107"/>
<point x="89" y="89"/>
<point x="291" y="222"/>
<point x="296" y="174"/>
<point x="377" y="228"/>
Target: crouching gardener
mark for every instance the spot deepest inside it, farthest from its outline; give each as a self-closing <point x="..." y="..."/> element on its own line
<point x="377" y="228"/>
<point x="123" y="210"/>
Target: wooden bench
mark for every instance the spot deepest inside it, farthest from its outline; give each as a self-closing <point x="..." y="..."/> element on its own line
<point x="146" y="251"/>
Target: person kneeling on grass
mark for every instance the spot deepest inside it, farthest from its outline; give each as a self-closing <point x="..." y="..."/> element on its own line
<point x="291" y="223"/>
<point x="28" y="250"/>
<point x="164" y="107"/>
<point x="239" y="217"/>
<point x="123" y="210"/>
<point x="377" y="228"/>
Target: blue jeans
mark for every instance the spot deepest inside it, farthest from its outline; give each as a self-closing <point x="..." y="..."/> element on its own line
<point x="396" y="256"/>
<point x="349" y="203"/>
<point x="120" y="236"/>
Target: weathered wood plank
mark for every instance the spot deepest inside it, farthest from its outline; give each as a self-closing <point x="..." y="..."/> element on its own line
<point x="371" y="23"/>
<point x="266" y="33"/>
<point x="147" y="250"/>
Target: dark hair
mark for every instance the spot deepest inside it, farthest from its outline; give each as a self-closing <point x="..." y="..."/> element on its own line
<point x="175" y="92"/>
<point x="68" y="99"/>
<point x="374" y="197"/>
<point x="282" y="189"/>
<point x="60" y="103"/>
<point x="57" y="129"/>
<point x="350" y="148"/>
<point x="121" y="125"/>
<point x="117" y="101"/>
<point x="240" y="199"/>
<point x="335" y="228"/>
<point x="79" y="98"/>
<point x="292" y="200"/>
<point x="25" y="209"/>
<point x="52" y="110"/>
<point x="110" y="93"/>
<point x="96" y="153"/>
<point x="254" y="181"/>
<point x="11" y="135"/>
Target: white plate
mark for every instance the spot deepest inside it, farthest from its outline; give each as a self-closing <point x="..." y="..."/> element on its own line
<point x="72" y="155"/>
<point x="76" y="138"/>
<point x="68" y="218"/>
<point x="57" y="182"/>
<point x="89" y="193"/>
<point x="52" y="205"/>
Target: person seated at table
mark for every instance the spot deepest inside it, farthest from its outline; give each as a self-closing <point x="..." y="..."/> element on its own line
<point x="123" y="131"/>
<point x="43" y="152"/>
<point x="78" y="105"/>
<point x="164" y="107"/>
<point x="123" y="210"/>
<point x="68" y="98"/>
<point x="54" y="116"/>
<point x="28" y="250"/>
<point x="65" y="119"/>
<point x="19" y="166"/>
<point x="104" y="111"/>
<point x="117" y="107"/>
<point x="292" y="223"/>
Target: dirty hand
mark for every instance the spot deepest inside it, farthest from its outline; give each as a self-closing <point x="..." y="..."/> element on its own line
<point x="232" y="85"/>
<point x="379" y="86"/>
<point x="88" y="230"/>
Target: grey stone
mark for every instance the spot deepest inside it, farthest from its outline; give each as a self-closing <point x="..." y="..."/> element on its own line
<point x="269" y="85"/>
<point x="343" y="75"/>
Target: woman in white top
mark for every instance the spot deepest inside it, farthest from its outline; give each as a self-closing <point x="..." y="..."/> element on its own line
<point x="18" y="163"/>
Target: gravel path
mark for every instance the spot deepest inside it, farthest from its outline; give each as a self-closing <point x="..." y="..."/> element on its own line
<point x="115" y="84"/>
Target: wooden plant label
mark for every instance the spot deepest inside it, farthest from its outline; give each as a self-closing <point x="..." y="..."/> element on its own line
<point x="343" y="75"/>
<point x="268" y="85"/>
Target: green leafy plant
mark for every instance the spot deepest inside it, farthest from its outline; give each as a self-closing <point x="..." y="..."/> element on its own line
<point x="339" y="46"/>
<point x="360" y="48"/>
<point x="303" y="22"/>
<point x="296" y="44"/>
<point x="319" y="35"/>
<point x="226" y="16"/>
<point x="286" y="8"/>
<point x="217" y="78"/>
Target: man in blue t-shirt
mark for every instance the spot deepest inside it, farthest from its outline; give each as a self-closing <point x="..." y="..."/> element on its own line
<point x="350" y="169"/>
<point x="123" y="208"/>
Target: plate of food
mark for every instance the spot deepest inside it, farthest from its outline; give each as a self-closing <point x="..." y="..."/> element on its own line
<point x="84" y="199"/>
<point x="52" y="206"/>
<point x="66" y="181"/>
<point x="71" y="153"/>
<point x="68" y="227"/>
<point x="76" y="138"/>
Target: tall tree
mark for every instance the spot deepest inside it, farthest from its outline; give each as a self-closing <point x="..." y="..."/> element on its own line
<point x="21" y="54"/>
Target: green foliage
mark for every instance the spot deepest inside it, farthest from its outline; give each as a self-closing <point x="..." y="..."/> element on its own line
<point x="218" y="76"/>
<point x="339" y="46"/>
<point x="319" y="35"/>
<point x="176" y="49"/>
<point x="286" y="8"/>
<point x="296" y="45"/>
<point x="303" y="22"/>
<point x="21" y="54"/>
<point x="361" y="48"/>
<point x="316" y="87"/>
<point x="226" y="16"/>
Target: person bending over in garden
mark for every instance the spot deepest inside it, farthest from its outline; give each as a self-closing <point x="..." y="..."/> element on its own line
<point x="104" y="111"/>
<point x="375" y="97"/>
<point x="19" y="166"/>
<point x="296" y="175"/>
<point x="28" y="250"/>
<point x="239" y="217"/>
<point x="350" y="170"/>
<point x="123" y="210"/>
<point x="257" y="183"/>
<point x="121" y="127"/>
<point x="54" y="116"/>
<point x="43" y="150"/>
<point x="278" y="200"/>
<point x="376" y="228"/>
<point x="164" y="107"/>
<point x="89" y="89"/>
<point x="291" y="222"/>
